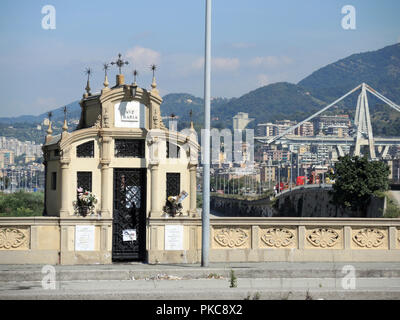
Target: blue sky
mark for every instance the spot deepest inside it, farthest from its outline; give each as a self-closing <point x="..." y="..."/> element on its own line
<point x="254" y="43"/>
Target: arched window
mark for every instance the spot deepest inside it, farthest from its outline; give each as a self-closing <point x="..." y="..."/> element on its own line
<point x="173" y="151"/>
<point x="85" y="150"/>
<point x="129" y="148"/>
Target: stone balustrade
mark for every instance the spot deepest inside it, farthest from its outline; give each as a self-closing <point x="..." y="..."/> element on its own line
<point x="51" y="240"/>
<point x="287" y="239"/>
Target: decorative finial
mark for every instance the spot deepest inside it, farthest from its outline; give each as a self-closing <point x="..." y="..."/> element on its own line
<point x="191" y="120"/>
<point x="106" y="66"/>
<point x="173" y="126"/>
<point x="65" y="126"/>
<point x="135" y="74"/>
<point x="154" y="68"/>
<point x="120" y="63"/>
<point x="49" y="129"/>
<point x="88" y="72"/>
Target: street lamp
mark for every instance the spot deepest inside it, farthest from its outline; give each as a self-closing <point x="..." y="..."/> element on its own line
<point x="279" y="177"/>
<point x="291" y="171"/>
<point x="205" y="217"/>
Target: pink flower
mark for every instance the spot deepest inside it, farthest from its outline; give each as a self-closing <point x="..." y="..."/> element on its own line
<point x="80" y="190"/>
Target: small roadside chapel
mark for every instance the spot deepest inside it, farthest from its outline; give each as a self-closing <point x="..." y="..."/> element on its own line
<point x="108" y="182"/>
<point x="110" y="179"/>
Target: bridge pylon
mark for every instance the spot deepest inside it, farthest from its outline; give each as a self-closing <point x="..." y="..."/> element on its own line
<point x="362" y="121"/>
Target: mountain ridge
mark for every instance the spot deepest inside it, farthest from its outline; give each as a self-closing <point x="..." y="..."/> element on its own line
<point x="73" y="111"/>
<point x="283" y="100"/>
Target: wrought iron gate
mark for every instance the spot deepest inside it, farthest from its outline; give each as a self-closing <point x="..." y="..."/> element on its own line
<point x="129" y="215"/>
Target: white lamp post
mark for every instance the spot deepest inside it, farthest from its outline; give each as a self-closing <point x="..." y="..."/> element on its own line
<point x="205" y="248"/>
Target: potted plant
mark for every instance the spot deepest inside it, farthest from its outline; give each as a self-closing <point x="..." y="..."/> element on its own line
<point x="85" y="202"/>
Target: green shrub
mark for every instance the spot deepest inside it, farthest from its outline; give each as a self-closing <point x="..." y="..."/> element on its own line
<point x="21" y="204"/>
<point x="233" y="279"/>
<point x="356" y="180"/>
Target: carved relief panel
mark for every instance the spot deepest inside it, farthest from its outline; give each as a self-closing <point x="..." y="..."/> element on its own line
<point x="369" y="238"/>
<point x="231" y="237"/>
<point x="14" y="238"/>
<point x="324" y="238"/>
<point x="278" y="237"/>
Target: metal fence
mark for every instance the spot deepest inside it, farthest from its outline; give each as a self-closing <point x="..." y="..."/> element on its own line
<point x="14" y="180"/>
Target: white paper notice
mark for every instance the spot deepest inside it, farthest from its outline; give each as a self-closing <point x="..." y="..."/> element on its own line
<point x="173" y="237"/>
<point x="84" y="238"/>
<point x="129" y="235"/>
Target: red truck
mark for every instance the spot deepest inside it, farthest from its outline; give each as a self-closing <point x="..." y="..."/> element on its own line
<point x="301" y="180"/>
<point x="282" y="187"/>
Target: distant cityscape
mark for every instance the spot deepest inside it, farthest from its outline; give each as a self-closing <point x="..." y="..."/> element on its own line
<point x="21" y="166"/>
<point x="285" y="163"/>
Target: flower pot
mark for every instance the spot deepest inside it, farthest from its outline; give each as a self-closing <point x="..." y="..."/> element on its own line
<point x="83" y="210"/>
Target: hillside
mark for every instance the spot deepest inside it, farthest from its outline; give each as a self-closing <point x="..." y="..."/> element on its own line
<point x="25" y="128"/>
<point x="273" y="102"/>
<point x="180" y="105"/>
<point x="385" y="121"/>
<point x="380" y="69"/>
<point x="74" y="111"/>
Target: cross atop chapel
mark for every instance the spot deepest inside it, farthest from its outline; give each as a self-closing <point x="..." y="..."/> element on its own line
<point x="120" y="63"/>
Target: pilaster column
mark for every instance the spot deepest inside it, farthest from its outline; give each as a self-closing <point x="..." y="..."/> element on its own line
<point x="347" y="238"/>
<point x="105" y="189"/>
<point x="156" y="205"/>
<point x="302" y="237"/>
<point x="65" y="188"/>
<point x="106" y="185"/>
<point x="193" y="189"/>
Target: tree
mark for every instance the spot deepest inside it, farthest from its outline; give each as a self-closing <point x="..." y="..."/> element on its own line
<point x="357" y="180"/>
<point x="21" y="204"/>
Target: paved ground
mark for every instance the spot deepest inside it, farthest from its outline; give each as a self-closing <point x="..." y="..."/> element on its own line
<point x="191" y="282"/>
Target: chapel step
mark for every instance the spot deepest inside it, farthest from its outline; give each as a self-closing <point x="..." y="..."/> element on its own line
<point x="139" y="271"/>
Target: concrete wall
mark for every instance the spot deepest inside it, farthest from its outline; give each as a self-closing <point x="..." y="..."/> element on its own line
<point x="230" y="207"/>
<point x="395" y="194"/>
<point x="317" y="202"/>
<point x="307" y="201"/>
